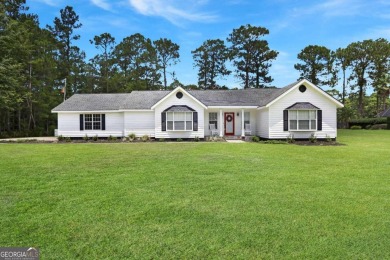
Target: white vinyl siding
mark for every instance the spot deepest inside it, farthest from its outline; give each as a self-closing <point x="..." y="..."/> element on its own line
<point x="313" y="96"/>
<point x="69" y="125"/>
<point x="172" y="100"/>
<point x="139" y="123"/>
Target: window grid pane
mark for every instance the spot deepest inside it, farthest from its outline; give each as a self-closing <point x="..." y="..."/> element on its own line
<point x="179" y="121"/>
<point x="213" y="119"/>
<point x="302" y="119"/>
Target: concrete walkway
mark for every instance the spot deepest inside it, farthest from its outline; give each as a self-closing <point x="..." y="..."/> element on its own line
<point x="44" y="139"/>
<point x="235" y="141"/>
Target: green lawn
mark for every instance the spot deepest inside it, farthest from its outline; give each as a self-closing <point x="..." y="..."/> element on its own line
<point x="199" y="200"/>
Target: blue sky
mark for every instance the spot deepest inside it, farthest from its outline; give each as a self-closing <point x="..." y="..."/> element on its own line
<point x="293" y="25"/>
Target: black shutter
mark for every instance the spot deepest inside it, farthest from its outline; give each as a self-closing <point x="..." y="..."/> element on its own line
<point x="81" y="122"/>
<point x="195" y="121"/>
<point x="285" y="120"/>
<point x="319" y="120"/>
<point x="103" y="121"/>
<point x="163" y="121"/>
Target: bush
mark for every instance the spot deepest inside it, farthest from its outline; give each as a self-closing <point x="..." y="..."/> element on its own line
<point x="60" y="138"/>
<point x="145" y="138"/>
<point x="363" y="122"/>
<point x="179" y="140"/>
<point x="356" y="127"/>
<point x="111" y="138"/>
<point x="161" y="140"/>
<point x="313" y="138"/>
<point x="68" y="140"/>
<point x="328" y="139"/>
<point x="196" y="139"/>
<point x="255" y="139"/>
<point x="379" y="126"/>
<point x="86" y="138"/>
<point x="290" y="139"/>
<point x="274" y="142"/>
<point x="132" y="137"/>
<point x="95" y="138"/>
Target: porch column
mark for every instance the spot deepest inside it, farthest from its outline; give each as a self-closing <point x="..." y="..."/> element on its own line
<point x="220" y="123"/>
<point x="242" y="124"/>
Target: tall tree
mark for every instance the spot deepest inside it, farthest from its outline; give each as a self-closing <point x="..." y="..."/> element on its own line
<point x="105" y="43"/>
<point x="361" y="56"/>
<point x="317" y="65"/>
<point x="167" y="55"/>
<point x="210" y="58"/>
<point x="380" y="72"/>
<point x="252" y="55"/>
<point x="343" y="62"/>
<point x="69" y="54"/>
<point x="137" y="62"/>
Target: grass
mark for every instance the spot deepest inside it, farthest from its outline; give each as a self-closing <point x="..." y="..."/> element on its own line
<point x="199" y="200"/>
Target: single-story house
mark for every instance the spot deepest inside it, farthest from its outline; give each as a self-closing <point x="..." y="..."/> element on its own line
<point x="299" y="110"/>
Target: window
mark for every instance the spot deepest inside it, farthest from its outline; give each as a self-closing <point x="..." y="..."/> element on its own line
<point x="179" y="121"/>
<point x="93" y="122"/>
<point x="247" y="118"/>
<point x="213" y="119"/>
<point x="302" y="119"/>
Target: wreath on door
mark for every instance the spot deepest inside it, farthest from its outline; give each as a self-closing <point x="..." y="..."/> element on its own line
<point x="229" y="118"/>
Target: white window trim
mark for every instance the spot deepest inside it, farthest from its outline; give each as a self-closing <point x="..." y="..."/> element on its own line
<point x="302" y="130"/>
<point x="185" y="122"/>
<point x="101" y="123"/>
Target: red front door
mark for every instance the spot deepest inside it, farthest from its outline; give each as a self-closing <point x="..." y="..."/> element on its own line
<point x="229" y="123"/>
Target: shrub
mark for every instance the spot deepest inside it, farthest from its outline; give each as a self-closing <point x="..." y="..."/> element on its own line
<point x="356" y="127"/>
<point x="196" y="139"/>
<point x="68" y="140"/>
<point x="111" y="138"/>
<point x="255" y="139"/>
<point x="179" y="140"/>
<point x="274" y="142"/>
<point x="363" y="122"/>
<point x="379" y="126"/>
<point x="161" y="140"/>
<point x="290" y="139"/>
<point x="313" y="138"/>
<point x="145" y="138"/>
<point x="95" y="138"/>
<point x="85" y="138"/>
<point x="367" y="127"/>
<point x="328" y="139"/>
<point x="131" y="137"/>
<point x="60" y="138"/>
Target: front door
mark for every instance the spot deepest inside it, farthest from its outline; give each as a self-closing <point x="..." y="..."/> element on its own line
<point x="229" y="123"/>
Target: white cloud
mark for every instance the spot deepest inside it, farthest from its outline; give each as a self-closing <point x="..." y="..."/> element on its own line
<point x="174" y="11"/>
<point x="49" y="2"/>
<point x="102" y="4"/>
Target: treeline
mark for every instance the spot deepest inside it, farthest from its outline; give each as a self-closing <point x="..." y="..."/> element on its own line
<point x="38" y="66"/>
<point x="356" y="67"/>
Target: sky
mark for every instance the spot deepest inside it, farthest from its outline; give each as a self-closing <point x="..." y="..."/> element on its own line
<point x="293" y="25"/>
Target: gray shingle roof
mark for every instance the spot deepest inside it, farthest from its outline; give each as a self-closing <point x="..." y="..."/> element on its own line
<point x="146" y="99"/>
<point x="302" y="105"/>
